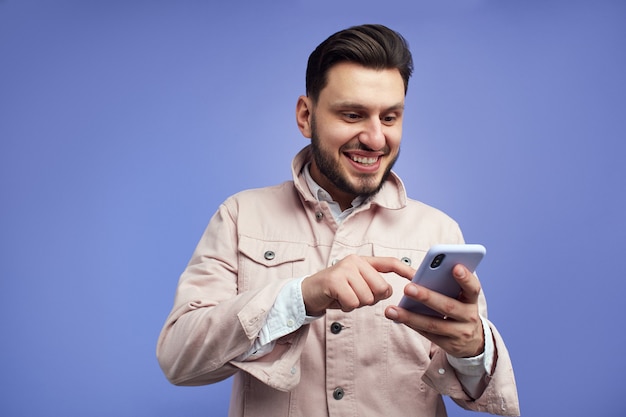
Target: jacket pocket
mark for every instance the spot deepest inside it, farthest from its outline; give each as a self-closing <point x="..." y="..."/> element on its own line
<point x="407" y="352"/>
<point x="262" y="261"/>
<point x="412" y="257"/>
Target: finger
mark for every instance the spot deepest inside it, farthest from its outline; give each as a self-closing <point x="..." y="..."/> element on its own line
<point x="328" y="289"/>
<point x="345" y="297"/>
<point x="356" y="292"/>
<point x="390" y="264"/>
<point x="470" y="285"/>
<point x="436" y="301"/>
<point x="427" y="325"/>
<point x="366" y="292"/>
<point x="375" y="282"/>
<point x="458" y="339"/>
<point x="357" y="284"/>
<point x="365" y="280"/>
<point x="450" y="308"/>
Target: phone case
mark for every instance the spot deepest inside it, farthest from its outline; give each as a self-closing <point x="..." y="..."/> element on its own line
<point x="435" y="272"/>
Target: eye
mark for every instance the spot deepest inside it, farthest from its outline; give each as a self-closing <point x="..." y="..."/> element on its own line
<point x="352" y="116"/>
<point x="389" y="120"/>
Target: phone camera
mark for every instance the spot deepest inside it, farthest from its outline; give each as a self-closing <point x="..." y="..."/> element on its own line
<point x="436" y="263"/>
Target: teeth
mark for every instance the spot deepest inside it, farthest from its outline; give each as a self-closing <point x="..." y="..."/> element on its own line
<point x="364" y="160"/>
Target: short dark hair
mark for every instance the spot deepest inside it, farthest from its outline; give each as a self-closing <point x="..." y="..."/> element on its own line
<point x="373" y="46"/>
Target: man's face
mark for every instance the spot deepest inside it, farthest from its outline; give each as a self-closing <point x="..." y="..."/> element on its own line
<point x="355" y="130"/>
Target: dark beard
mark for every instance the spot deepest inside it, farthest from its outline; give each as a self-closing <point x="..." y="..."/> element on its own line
<point x="329" y="169"/>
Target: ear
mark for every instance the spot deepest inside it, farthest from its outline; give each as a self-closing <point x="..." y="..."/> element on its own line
<point x="304" y="112"/>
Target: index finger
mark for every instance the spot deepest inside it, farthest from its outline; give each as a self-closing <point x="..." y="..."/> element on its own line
<point x="390" y="264"/>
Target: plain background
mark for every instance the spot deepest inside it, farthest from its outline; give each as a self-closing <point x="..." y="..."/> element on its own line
<point x="124" y="124"/>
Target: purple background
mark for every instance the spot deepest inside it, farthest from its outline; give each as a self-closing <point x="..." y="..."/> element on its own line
<point x="123" y="125"/>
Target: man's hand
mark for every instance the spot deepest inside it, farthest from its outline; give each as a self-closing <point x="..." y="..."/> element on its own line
<point x="460" y="333"/>
<point x="351" y="283"/>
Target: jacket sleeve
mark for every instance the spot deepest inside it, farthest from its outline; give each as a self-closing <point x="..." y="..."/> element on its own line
<point x="211" y="322"/>
<point x="500" y="395"/>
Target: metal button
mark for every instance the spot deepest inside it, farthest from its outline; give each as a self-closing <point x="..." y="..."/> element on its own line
<point x="334" y="261"/>
<point x="269" y="255"/>
<point x="441" y="371"/>
<point x="406" y="260"/>
<point x="319" y="216"/>
<point x="338" y="393"/>
<point x="336" y="328"/>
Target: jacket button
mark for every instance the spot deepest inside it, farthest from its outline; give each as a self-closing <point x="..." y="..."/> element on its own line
<point x="338" y="393"/>
<point x="336" y="327"/>
<point x="406" y="260"/>
<point x="269" y="255"/>
<point x="319" y="216"/>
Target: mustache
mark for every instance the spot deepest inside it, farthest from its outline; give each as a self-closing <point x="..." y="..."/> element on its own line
<point x="358" y="146"/>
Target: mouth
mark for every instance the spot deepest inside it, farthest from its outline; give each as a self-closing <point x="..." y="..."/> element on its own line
<point x="364" y="163"/>
<point x="364" y="160"/>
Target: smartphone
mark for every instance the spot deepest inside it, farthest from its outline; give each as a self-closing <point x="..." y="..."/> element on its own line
<point x="435" y="272"/>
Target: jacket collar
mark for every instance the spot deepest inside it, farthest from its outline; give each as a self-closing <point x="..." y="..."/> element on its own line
<point x="391" y="196"/>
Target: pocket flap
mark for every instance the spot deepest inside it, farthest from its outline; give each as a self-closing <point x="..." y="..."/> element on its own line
<point x="271" y="253"/>
<point x="411" y="257"/>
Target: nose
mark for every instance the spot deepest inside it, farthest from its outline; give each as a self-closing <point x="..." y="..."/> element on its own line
<point x="372" y="135"/>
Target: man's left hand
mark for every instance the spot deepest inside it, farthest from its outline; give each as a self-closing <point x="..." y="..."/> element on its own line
<point x="460" y="333"/>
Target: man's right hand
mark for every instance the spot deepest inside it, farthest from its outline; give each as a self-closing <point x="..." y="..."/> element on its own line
<point x="353" y="282"/>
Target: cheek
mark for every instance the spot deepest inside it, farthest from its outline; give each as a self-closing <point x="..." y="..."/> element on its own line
<point x="394" y="137"/>
<point x="335" y="138"/>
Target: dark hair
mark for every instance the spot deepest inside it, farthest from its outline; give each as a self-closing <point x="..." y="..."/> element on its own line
<point x="373" y="46"/>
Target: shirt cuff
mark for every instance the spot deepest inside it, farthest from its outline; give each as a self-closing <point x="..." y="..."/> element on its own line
<point x="476" y="365"/>
<point x="287" y="315"/>
<point x="471" y="372"/>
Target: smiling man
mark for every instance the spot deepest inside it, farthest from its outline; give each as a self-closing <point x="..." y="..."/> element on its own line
<point x="293" y="289"/>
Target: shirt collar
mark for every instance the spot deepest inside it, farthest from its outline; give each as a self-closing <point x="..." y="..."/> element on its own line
<point x="320" y="193"/>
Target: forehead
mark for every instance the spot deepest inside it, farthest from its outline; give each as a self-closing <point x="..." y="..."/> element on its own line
<point x="354" y="83"/>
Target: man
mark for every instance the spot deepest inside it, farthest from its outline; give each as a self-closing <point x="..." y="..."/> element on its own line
<point x="293" y="289"/>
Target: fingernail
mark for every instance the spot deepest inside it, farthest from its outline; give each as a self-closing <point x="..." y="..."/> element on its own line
<point x="411" y="290"/>
<point x="392" y="313"/>
<point x="460" y="272"/>
<point x="389" y="292"/>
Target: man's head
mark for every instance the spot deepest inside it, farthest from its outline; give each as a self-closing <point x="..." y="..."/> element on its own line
<point x="356" y="83"/>
<point x="371" y="46"/>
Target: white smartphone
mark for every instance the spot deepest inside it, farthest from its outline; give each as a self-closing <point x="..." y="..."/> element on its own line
<point x="435" y="272"/>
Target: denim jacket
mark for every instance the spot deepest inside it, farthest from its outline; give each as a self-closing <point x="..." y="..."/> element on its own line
<point x="344" y="364"/>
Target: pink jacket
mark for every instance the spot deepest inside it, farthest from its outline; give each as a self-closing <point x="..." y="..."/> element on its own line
<point x="364" y="365"/>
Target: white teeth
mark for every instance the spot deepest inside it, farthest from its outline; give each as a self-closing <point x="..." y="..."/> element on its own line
<point x="364" y="160"/>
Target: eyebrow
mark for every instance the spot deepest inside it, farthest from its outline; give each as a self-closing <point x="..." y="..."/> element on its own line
<point x="359" y="106"/>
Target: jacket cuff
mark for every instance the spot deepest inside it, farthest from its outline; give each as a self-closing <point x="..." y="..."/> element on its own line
<point x="279" y="369"/>
<point x="500" y="394"/>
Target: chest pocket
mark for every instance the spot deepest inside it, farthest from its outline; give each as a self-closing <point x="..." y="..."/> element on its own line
<point x="411" y="257"/>
<point x="262" y="261"/>
<point x="406" y="349"/>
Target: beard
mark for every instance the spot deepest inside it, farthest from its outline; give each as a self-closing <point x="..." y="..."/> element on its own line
<point x="365" y="185"/>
